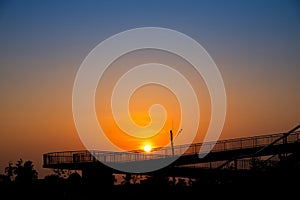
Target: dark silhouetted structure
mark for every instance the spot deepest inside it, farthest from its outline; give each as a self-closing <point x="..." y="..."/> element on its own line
<point x="227" y="156"/>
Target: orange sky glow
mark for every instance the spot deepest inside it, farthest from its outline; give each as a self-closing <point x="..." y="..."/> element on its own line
<point x="256" y="49"/>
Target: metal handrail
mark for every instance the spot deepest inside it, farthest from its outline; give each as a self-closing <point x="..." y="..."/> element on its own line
<point x="282" y="138"/>
<point x="262" y="141"/>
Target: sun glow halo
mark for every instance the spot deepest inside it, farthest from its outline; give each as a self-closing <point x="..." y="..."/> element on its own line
<point x="147" y="148"/>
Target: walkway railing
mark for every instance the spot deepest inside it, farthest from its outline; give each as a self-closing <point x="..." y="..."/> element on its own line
<point x="84" y="156"/>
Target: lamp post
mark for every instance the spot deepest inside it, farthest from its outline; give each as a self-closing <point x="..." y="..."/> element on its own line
<point x="171" y="138"/>
<point x="172" y="146"/>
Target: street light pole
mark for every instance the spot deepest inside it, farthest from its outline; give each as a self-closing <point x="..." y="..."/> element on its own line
<point x="171" y="138"/>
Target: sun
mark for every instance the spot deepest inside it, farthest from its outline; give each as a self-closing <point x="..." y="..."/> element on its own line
<point x="147" y="148"/>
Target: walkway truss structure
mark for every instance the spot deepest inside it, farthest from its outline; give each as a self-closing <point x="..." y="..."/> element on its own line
<point x="235" y="153"/>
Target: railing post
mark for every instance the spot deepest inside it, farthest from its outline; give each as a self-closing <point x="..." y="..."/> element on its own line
<point x="45" y="159"/>
<point x="284" y="142"/>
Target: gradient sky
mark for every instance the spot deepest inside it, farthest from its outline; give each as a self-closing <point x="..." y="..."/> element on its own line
<point x="255" y="44"/>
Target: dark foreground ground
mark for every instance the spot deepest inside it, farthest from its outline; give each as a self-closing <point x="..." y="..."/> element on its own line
<point x="257" y="186"/>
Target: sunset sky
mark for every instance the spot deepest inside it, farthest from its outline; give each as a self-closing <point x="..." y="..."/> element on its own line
<point x="255" y="44"/>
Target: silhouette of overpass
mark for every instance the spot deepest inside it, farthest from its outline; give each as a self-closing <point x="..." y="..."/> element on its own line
<point x="231" y="153"/>
<point x="236" y="153"/>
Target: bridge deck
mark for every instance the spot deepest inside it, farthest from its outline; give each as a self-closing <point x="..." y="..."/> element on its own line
<point x="221" y="150"/>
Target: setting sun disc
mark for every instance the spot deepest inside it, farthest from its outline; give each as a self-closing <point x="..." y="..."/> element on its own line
<point x="147" y="148"/>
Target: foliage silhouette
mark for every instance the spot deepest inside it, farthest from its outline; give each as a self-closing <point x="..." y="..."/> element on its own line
<point x="21" y="171"/>
<point x="9" y="171"/>
<point x="62" y="173"/>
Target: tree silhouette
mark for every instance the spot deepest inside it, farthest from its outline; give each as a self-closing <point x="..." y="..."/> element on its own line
<point x="126" y="179"/>
<point x="158" y="180"/>
<point x="53" y="178"/>
<point x="181" y="182"/>
<point x="4" y="178"/>
<point x="21" y="172"/>
<point x="9" y="171"/>
<point x="135" y="178"/>
<point x="62" y="173"/>
<point x="74" y="178"/>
